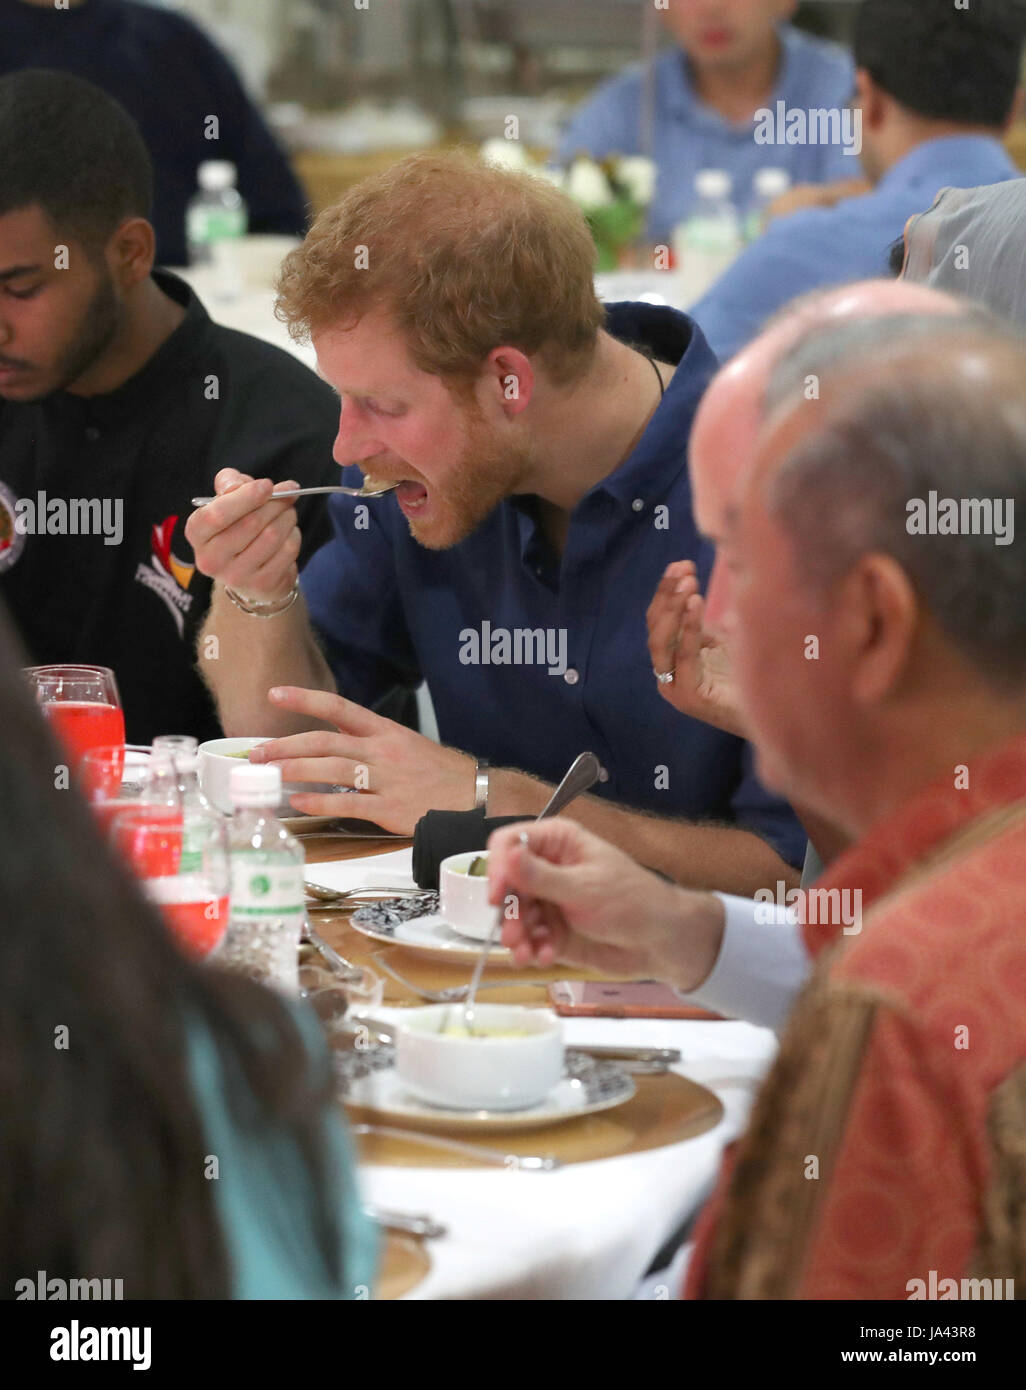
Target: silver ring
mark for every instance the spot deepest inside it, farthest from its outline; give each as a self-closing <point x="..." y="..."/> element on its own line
<point x="664" y="677"/>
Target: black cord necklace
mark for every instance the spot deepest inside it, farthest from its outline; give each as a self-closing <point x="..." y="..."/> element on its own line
<point x="659" y="375"/>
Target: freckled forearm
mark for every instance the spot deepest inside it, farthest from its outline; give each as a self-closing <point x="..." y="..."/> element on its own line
<point x="241" y="657"/>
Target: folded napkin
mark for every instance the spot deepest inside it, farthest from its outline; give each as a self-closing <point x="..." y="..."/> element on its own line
<point x="371" y="871"/>
<point x="441" y="833"/>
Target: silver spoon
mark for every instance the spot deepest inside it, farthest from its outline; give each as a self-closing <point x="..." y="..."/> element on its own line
<point x="332" y="895"/>
<point x="363" y="491"/>
<point x="582" y="773"/>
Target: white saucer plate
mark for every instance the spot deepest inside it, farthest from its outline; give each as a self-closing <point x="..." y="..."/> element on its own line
<point x="430" y="935"/>
<point x="588" y="1088"/>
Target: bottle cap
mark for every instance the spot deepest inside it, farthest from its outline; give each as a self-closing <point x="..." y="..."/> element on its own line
<point x="255" y="784"/>
<point x="771" y="183"/>
<point x="713" y="183"/>
<point x="184" y="743"/>
<point x="216" y="174"/>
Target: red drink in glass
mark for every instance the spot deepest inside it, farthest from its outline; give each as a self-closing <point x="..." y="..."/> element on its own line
<point x="83" y="705"/>
<point x="197" y="921"/>
<point x="81" y="725"/>
<point x="193" y="902"/>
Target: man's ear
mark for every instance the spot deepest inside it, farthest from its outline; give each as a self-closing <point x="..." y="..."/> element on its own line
<point x="883" y="608"/>
<point x="1015" y="114"/>
<point x="870" y="98"/>
<point x="131" y="252"/>
<point x="512" y="377"/>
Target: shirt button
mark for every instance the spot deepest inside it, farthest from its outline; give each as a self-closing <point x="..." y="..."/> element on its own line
<point x="92" y="433"/>
<point x="571" y="677"/>
<point x="637" y="505"/>
<point x="603" y="775"/>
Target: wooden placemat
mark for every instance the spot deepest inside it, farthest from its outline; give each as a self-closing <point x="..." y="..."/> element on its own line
<point x="424" y="971"/>
<point x="404" y="1263"/>
<point x="665" y="1110"/>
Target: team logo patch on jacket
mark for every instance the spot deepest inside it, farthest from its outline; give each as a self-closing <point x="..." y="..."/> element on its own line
<point x="166" y="575"/>
<point x="12" y="541"/>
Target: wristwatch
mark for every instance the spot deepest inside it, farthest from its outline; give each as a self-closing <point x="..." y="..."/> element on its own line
<point x="481" y="786"/>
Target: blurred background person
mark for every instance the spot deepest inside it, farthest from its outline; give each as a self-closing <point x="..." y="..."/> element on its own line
<point x="118" y="391"/>
<point x="937" y="89"/>
<point x="730" y="58"/>
<point x="125" y="1069"/>
<point x="973" y="242"/>
<point x="174" y="82"/>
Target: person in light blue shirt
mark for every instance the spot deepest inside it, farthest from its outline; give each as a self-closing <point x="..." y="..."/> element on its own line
<point x="936" y="88"/>
<point x="732" y="62"/>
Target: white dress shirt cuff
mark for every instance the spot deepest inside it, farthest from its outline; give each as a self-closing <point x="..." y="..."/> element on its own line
<point x="761" y="966"/>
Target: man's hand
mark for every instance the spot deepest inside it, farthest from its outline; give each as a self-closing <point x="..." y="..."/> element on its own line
<point x="816" y="195"/>
<point x="584" y="903"/>
<point x="246" y="541"/>
<point x="400" y="774"/>
<point x="702" y="684"/>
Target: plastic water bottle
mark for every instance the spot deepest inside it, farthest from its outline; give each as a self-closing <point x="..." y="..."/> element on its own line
<point x="267" y="892"/>
<point x="161" y="789"/>
<point x="768" y="185"/>
<point x="198" y="816"/>
<point x="707" y="243"/>
<point x="215" y="220"/>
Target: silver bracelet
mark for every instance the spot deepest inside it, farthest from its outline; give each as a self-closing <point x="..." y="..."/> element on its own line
<point x="264" y="610"/>
<point x="481" y="786"/>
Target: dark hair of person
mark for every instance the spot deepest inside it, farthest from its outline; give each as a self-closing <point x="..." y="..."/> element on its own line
<point x="942" y="62"/>
<point x="896" y="257"/>
<point x="102" y="1149"/>
<point x="75" y="152"/>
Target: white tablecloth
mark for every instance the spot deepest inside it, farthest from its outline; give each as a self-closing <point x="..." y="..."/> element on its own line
<point x="589" y="1230"/>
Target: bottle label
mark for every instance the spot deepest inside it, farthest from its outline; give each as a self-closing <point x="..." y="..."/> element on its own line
<point x="208" y="224"/>
<point x="266" y="890"/>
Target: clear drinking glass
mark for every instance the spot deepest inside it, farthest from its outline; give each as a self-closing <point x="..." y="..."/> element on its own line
<point x="83" y="705"/>
<point x="193" y="902"/>
<point x="119" y="779"/>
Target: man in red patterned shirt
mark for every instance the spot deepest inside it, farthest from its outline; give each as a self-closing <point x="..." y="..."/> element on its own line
<point x="878" y="637"/>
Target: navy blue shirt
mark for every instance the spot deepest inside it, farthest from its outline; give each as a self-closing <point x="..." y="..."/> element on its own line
<point x="170" y="78"/>
<point x="389" y="611"/>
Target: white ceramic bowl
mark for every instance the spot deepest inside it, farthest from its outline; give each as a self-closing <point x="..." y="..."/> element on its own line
<point x="480" y="1073"/>
<point x="215" y="768"/>
<point x="463" y="901"/>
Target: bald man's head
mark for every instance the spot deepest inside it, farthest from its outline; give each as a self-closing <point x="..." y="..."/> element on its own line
<point x="879" y="591"/>
<point x="732" y="411"/>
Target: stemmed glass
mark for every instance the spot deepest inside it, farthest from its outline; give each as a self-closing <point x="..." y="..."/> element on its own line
<point x="83" y="705"/>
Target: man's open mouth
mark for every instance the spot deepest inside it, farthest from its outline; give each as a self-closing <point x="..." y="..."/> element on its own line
<point x="411" y="496"/>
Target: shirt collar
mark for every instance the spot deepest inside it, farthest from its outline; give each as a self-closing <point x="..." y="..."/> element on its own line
<point x="923" y="822"/>
<point x="661" y="453"/>
<point x="933" y="160"/>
